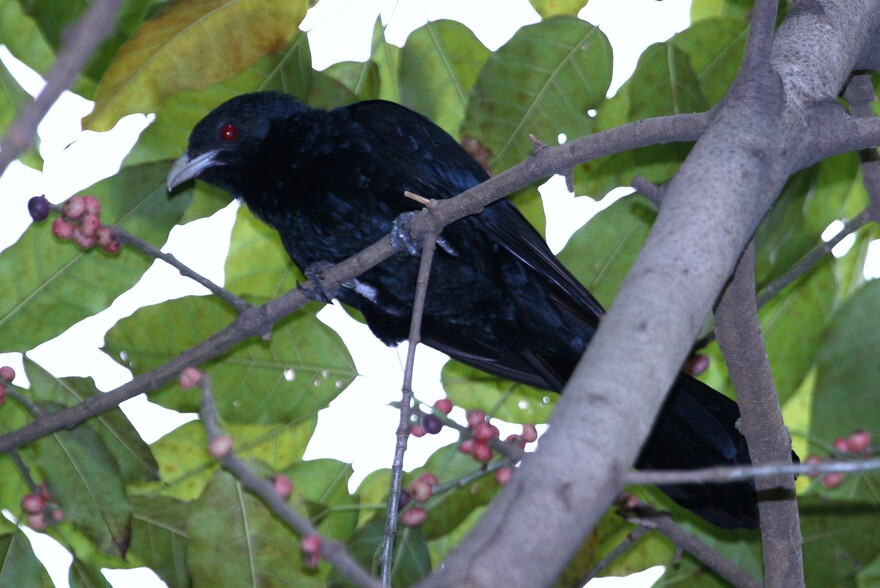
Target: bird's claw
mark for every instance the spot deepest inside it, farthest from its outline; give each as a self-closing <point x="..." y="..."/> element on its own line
<point x="313" y="288"/>
<point x="401" y="238"/>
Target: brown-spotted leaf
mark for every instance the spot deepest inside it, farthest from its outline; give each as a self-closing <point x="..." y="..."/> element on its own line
<point x="190" y="45"/>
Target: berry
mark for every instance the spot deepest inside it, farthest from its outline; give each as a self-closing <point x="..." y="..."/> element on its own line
<point x="58" y="515"/>
<point x="417" y="431"/>
<point x="7" y="373"/>
<point x="44" y="492"/>
<point x="444" y="405"/>
<point x="33" y="504"/>
<point x="92" y="205"/>
<point x="39" y="207"/>
<point x="310" y="545"/>
<point x="832" y="480"/>
<point x="432" y="424"/>
<point x="89" y="225"/>
<point x="62" y="229"/>
<point x="857" y="442"/>
<point x="516" y="440"/>
<point x="37" y="522"/>
<point x="482" y="452"/>
<point x="474" y="417"/>
<point x="812" y="460"/>
<point x="421" y="491"/>
<point x="529" y="433"/>
<point x="75" y="207"/>
<point x="502" y="475"/>
<point x="484" y="432"/>
<point x="190" y="377"/>
<point x="413" y="517"/>
<point x="220" y="446"/>
<point x="283" y="486"/>
<point x="113" y="246"/>
<point x="841" y="445"/>
<point x="466" y="447"/>
<point x="696" y="365"/>
<point x="403" y="500"/>
<point x="82" y="239"/>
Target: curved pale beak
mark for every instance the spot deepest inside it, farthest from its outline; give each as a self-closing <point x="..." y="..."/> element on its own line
<point x="186" y="169"/>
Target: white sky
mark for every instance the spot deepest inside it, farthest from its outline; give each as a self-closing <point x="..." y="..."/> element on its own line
<point x="75" y="160"/>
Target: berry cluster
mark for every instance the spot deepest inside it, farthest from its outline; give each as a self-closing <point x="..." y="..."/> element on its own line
<point x="857" y="442"/>
<point x="34" y="505"/>
<point x="80" y="220"/>
<point x="7" y="374"/>
<point x="419" y="491"/>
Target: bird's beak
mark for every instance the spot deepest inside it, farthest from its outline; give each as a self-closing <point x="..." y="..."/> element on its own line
<point x="186" y="169"/>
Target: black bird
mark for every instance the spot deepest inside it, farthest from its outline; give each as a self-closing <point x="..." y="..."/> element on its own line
<point x="332" y="182"/>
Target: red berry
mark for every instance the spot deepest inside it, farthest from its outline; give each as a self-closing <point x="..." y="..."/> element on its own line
<point x="38" y="207"/>
<point x="502" y="475"/>
<point x="832" y="480"/>
<point x="310" y="545"/>
<point x="432" y="424"/>
<point x="841" y="445"/>
<point x="466" y="446"/>
<point x="428" y="478"/>
<point x="220" y="446"/>
<point x="857" y="442"/>
<point x="485" y="431"/>
<point x="529" y="433"/>
<point x="7" y="373"/>
<point x="444" y="405"/>
<point x="516" y="440"/>
<point x="37" y="522"/>
<point x="190" y="377"/>
<point x="421" y="491"/>
<point x="33" y="504"/>
<point x="82" y="239"/>
<point x="696" y="365"/>
<point x="58" y="515"/>
<point x="413" y="517"/>
<point x="75" y="207"/>
<point x="417" y="431"/>
<point x="474" y="417"/>
<point x="283" y="486"/>
<point x="482" y="452"/>
<point x="89" y="225"/>
<point x="92" y="205"/>
<point x="44" y="492"/>
<point x="104" y="236"/>
<point x="113" y="246"/>
<point x="62" y="229"/>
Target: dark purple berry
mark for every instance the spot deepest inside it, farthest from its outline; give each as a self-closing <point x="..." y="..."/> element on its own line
<point x="403" y="500"/>
<point x="38" y="206"/>
<point x="432" y="424"/>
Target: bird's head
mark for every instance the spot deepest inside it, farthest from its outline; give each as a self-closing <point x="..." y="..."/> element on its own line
<point x="232" y="136"/>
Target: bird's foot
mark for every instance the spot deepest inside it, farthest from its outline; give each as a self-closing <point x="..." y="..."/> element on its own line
<point x="401" y="238"/>
<point x="313" y="288"/>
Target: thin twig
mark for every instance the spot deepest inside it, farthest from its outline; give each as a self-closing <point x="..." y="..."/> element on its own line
<point x="81" y="41"/>
<point x="228" y="297"/>
<point x="332" y="551"/>
<point x="428" y="246"/>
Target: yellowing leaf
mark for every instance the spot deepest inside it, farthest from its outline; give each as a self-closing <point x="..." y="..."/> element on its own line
<point x="190" y="45"/>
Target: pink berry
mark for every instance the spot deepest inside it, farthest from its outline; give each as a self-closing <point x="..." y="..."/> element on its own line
<point x="104" y="236"/>
<point x="82" y="239"/>
<point x="502" y="475"/>
<point x="832" y="480"/>
<point x="74" y="207"/>
<point x="89" y="225"/>
<point x="44" y="492"/>
<point x="529" y="433"/>
<point x="58" y="515"/>
<point x="417" y="431"/>
<point x="516" y="440"/>
<point x="37" y="522"/>
<point x="283" y="486"/>
<point x="444" y="405"/>
<point x="485" y="431"/>
<point x="7" y="373"/>
<point x="413" y="517"/>
<point x="474" y="417"/>
<point x="113" y="246"/>
<point x="466" y="447"/>
<point x="696" y="365"/>
<point x="92" y="205"/>
<point x="482" y="452"/>
<point x="841" y="445"/>
<point x="857" y="442"/>
<point x="62" y="229"/>
<point x="421" y="491"/>
<point x="310" y="545"/>
<point x="220" y="446"/>
<point x="190" y="377"/>
<point x="33" y="504"/>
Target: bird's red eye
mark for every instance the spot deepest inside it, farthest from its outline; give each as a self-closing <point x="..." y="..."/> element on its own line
<point x="229" y="133"/>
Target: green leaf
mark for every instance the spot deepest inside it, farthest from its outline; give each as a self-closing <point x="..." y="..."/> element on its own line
<point x="24" y="38"/>
<point x="83" y="575"/>
<point x="84" y="478"/>
<point x="286" y="379"/>
<point x="159" y="539"/>
<point x="715" y="48"/>
<point x="115" y="430"/>
<point x="359" y="78"/>
<point x="438" y="67"/>
<point x="253" y="239"/>
<point x="568" y="72"/>
<point x="12" y="98"/>
<point x="234" y="540"/>
<point x="47" y="285"/>
<point x="411" y="562"/>
<point x="324" y="483"/>
<point x="190" y="46"/>
<point x="548" y="8"/>
<point x="387" y="59"/>
<point x="18" y="564"/>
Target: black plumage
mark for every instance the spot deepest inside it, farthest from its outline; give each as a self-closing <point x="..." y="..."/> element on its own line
<point x="332" y="182"/>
